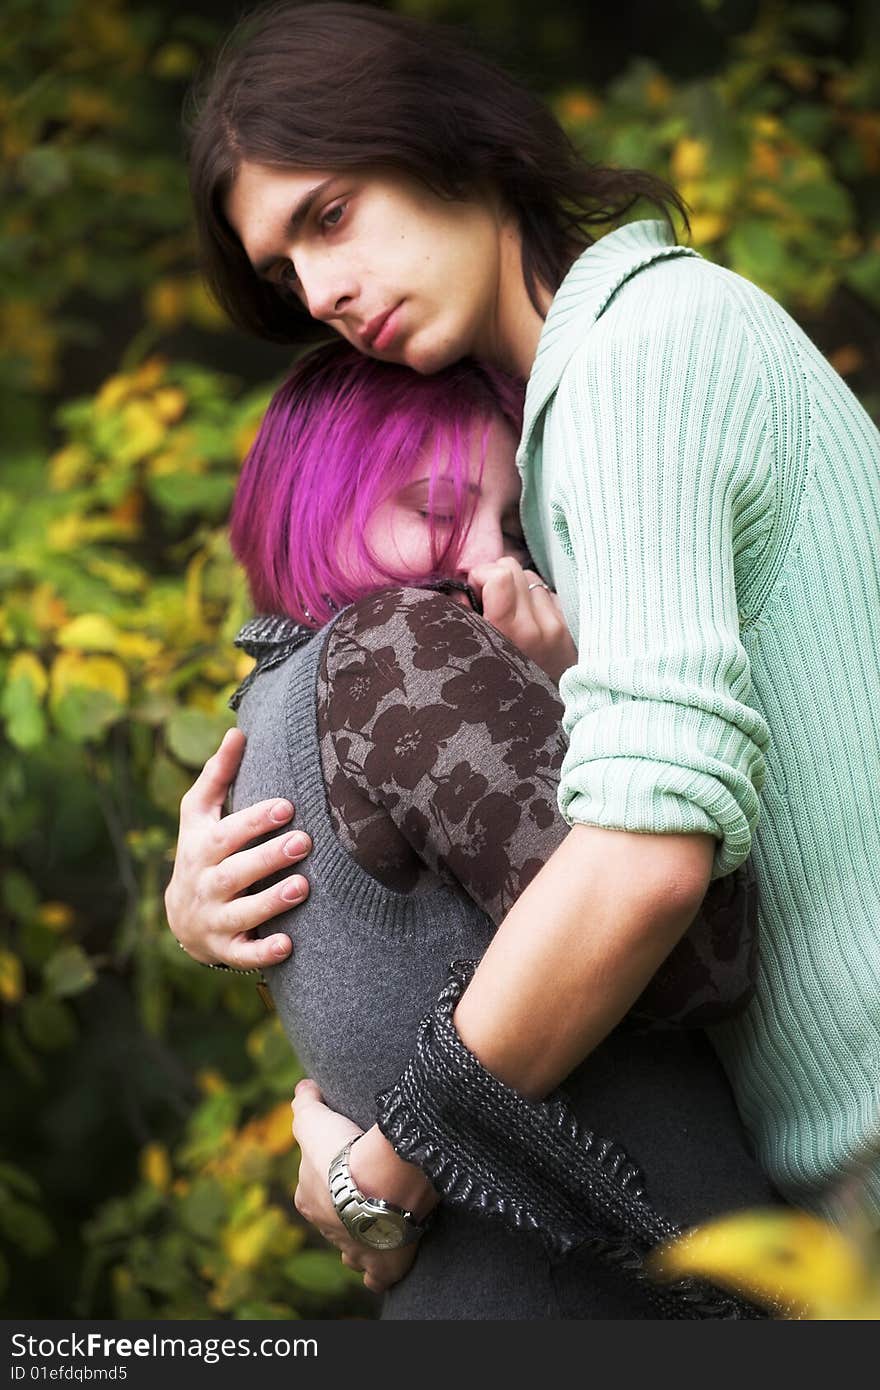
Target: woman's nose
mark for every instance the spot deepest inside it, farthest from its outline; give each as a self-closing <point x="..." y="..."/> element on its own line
<point x="481" y="545"/>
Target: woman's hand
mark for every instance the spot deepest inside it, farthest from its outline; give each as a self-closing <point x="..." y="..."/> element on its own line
<point x="518" y="603"/>
<point x="206" y="902"/>
<point x="321" y="1133"/>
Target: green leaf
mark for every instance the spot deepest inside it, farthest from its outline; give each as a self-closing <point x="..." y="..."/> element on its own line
<point x="47" y="1023"/>
<point x="203" y="1209"/>
<point x="69" y="972"/>
<point x="81" y="714"/>
<point x="167" y="783"/>
<point x="262" y="1311"/>
<point x="209" y="494"/>
<point x="757" y="250"/>
<point x="863" y="275"/>
<point x="317" y="1271"/>
<point x="19" y="895"/>
<point x="825" y="203"/>
<point x="18" y="1180"/>
<point x="26" y="1227"/>
<point x="193" y="735"/>
<point x="22" y="709"/>
<point x="44" y="169"/>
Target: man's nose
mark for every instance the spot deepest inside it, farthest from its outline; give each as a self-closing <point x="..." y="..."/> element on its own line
<point x="326" y="292"/>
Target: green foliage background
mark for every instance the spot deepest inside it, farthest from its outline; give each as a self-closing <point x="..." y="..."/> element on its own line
<point x="146" y="1161"/>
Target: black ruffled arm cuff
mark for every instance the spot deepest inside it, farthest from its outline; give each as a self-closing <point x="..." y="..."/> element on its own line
<point x="531" y="1165"/>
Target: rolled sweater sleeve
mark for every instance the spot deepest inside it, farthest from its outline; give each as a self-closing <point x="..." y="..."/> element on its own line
<point x="663" y="473"/>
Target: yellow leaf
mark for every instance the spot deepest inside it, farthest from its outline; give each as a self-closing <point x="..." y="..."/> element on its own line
<point x="245" y="1245"/>
<point x="689" y="159"/>
<point x="204" y="310"/>
<point x="211" y="1082"/>
<point x="93" y="632"/>
<point x="27" y="666"/>
<point x="114" y="391"/>
<point x="88" y="106"/>
<point x="273" y="1132"/>
<point x="149" y="374"/>
<point x="69" y="466"/>
<point x="170" y="403"/>
<point x="658" y="90"/>
<point x="73" y="671"/>
<point x="245" y="437"/>
<point x="579" y="106"/>
<point x="764" y="161"/>
<point x="123" y="577"/>
<point x="144" y="431"/>
<point x="137" y="646"/>
<point x="48" y="610"/>
<point x="11" y="977"/>
<point x="56" y="916"/>
<point x="155" y="1166"/>
<point x="165" y="302"/>
<point x="67" y="533"/>
<point x="90" y="632"/>
<point x="797" y="1264"/>
<point x="765" y="125"/>
<point x="174" y="60"/>
<point x="707" y="227"/>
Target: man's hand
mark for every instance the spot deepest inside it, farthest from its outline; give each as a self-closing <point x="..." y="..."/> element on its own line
<point x="321" y="1133"/>
<point x="518" y="603"/>
<point x="206" y="902"/>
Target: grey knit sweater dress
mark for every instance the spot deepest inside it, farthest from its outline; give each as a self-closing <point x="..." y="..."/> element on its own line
<point x="369" y="961"/>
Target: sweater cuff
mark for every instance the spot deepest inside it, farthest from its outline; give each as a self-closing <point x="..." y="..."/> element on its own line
<point x="530" y="1165"/>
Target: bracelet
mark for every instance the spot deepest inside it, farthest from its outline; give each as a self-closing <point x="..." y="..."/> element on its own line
<point x="218" y="965"/>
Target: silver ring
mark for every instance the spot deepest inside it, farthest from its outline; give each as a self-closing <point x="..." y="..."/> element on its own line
<point x="539" y="584"/>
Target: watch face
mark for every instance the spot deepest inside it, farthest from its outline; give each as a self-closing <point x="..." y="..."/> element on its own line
<point x="382" y="1230"/>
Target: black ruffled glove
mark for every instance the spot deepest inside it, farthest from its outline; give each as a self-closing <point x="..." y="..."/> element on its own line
<point x="531" y="1165"/>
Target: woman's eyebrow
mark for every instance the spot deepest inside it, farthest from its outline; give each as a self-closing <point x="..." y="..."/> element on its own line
<point x="297" y="217"/>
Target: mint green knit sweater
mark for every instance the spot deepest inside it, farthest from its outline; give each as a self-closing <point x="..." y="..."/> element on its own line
<point x="704" y="491"/>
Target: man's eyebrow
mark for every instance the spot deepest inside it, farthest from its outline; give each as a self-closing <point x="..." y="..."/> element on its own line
<point x="297" y="217"/>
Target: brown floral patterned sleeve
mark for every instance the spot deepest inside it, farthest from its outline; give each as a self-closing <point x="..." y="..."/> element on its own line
<point x="441" y="746"/>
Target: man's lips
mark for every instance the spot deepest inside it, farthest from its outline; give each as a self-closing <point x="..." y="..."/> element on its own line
<point x="380" y="331"/>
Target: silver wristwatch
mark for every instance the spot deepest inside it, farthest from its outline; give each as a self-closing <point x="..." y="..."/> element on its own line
<point x="371" y="1221"/>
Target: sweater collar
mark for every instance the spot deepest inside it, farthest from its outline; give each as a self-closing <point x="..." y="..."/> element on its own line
<point x="583" y="295"/>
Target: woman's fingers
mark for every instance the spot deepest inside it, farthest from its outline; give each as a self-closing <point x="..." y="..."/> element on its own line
<point x="208" y="792"/>
<point x="520" y="604"/>
<point x="233" y="872"/>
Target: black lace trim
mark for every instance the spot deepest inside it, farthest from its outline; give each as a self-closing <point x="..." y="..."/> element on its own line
<point x="272" y="637"/>
<point x="530" y="1165"/>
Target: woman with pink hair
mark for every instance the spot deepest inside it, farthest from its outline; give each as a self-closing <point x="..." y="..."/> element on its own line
<point x="423" y="748"/>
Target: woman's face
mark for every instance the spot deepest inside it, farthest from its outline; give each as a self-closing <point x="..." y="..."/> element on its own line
<point x="404" y="275"/>
<point x="398" y="533"/>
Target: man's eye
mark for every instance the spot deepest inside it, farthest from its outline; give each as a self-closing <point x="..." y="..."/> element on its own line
<point x="288" y="278"/>
<point x="333" y="216"/>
